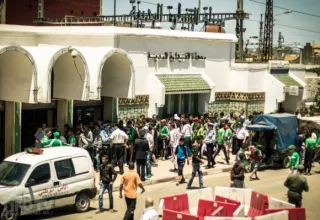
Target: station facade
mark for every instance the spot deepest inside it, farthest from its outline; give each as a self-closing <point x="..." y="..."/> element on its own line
<point x="62" y="75"/>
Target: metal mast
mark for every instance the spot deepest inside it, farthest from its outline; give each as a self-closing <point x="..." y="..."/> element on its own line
<point x="261" y="35"/>
<point x="239" y="29"/>
<point x="268" y="32"/>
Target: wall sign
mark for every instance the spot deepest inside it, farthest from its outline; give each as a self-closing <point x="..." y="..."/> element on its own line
<point x="294" y="90"/>
<point x="175" y="56"/>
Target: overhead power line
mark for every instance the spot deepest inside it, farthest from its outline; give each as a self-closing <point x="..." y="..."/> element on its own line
<point x="300" y="12"/>
<point x="298" y="28"/>
<point x="293" y="27"/>
<point x="151" y="3"/>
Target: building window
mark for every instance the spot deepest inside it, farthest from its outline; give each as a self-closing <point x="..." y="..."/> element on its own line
<point x="71" y="12"/>
<point x="30" y="6"/>
<point x="82" y="12"/>
<point x="95" y="13"/>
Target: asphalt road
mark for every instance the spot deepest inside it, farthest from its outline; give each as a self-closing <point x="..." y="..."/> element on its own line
<point x="271" y="183"/>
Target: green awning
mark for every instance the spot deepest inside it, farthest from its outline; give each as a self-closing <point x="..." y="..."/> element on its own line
<point x="286" y="80"/>
<point x="184" y="83"/>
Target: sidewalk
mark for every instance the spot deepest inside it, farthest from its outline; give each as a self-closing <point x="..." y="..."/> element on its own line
<point x="163" y="174"/>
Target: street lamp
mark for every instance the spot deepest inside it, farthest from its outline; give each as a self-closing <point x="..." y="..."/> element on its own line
<point x="284" y="13"/>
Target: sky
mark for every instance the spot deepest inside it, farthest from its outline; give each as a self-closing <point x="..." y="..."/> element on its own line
<point x="291" y="35"/>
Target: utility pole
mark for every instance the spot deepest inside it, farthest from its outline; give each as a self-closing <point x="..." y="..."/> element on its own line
<point x="268" y="32"/>
<point x="114" y="12"/>
<point x="280" y="41"/>
<point x="239" y="29"/>
<point x="199" y="6"/>
<point x="261" y="35"/>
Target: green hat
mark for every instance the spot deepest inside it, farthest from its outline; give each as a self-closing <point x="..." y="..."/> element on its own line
<point x="56" y="134"/>
<point x="292" y="147"/>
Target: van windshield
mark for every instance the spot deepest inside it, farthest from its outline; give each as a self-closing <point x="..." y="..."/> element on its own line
<point x="11" y="174"/>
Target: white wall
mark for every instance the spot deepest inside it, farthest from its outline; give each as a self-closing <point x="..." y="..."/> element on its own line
<point x="217" y="62"/>
<point x="69" y="78"/>
<point x="117" y="77"/>
<point x="274" y="93"/>
<point x="16" y="77"/>
<point x="291" y="103"/>
<point x="157" y="94"/>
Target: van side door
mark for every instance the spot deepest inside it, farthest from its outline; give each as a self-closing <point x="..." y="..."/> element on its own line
<point x="38" y="188"/>
<point x="64" y="173"/>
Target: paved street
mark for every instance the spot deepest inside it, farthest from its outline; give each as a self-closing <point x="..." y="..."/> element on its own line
<point x="271" y="183"/>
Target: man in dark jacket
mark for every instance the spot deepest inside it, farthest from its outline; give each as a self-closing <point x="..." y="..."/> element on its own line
<point x="141" y="148"/>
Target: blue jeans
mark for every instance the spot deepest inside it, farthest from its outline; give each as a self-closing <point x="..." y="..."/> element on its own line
<point x="196" y="168"/>
<point x="149" y="163"/>
<point x="104" y="187"/>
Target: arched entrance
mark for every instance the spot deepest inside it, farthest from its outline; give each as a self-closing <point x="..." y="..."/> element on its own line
<point x="18" y="84"/>
<point x="117" y="81"/>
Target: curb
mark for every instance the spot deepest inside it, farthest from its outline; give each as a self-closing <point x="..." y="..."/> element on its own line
<point x="172" y="179"/>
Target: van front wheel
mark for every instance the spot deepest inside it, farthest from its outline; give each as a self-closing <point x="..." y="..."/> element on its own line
<point x="82" y="202"/>
<point x="10" y="212"/>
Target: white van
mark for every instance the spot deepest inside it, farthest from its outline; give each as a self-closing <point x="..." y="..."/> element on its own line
<point x="60" y="176"/>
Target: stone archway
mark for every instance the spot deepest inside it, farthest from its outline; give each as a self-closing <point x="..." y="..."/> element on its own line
<point x="18" y="75"/>
<point x="117" y="80"/>
<point x="68" y="80"/>
<point x="68" y="75"/>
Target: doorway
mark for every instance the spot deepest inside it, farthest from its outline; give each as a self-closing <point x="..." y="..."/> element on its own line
<point x="2" y="135"/>
<point x="32" y="119"/>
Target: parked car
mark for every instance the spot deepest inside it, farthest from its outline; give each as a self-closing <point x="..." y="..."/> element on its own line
<point x="57" y="177"/>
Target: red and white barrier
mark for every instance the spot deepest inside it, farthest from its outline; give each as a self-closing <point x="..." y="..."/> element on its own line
<point x="278" y="204"/>
<point x="228" y="204"/>
<point x="284" y="215"/>
<point x="226" y="218"/>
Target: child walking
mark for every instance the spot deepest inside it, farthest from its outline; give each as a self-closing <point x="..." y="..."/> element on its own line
<point x="182" y="156"/>
<point x="196" y="162"/>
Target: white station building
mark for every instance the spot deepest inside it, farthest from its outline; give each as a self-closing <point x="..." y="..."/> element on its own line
<point x="62" y="75"/>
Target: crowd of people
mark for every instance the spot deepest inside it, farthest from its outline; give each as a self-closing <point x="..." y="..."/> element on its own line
<point x="181" y="138"/>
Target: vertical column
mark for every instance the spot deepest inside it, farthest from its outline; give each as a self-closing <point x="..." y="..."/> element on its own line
<point x="70" y="113"/>
<point x="64" y="113"/>
<point x="115" y="110"/>
<point x="12" y="128"/>
<point x="110" y="109"/>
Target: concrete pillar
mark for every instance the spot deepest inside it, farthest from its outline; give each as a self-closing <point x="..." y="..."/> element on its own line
<point x="12" y="128"/>
<point x="64" y="113"/>
<point x="110" y="109"/>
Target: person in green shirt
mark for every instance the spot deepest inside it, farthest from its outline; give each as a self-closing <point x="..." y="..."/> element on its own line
<point x="310" y="153"/>
<point x="195" y="127"/>
<point x="45" y="138"/>
<point x="294" y="160"/>
<point x="228" y="138"/>
<point x="131" y="135"/>
<point x="54" y="142"/>
<point x="72" y="138"/>
<point x="221" y="146"/>
<point x="163" y="138"/>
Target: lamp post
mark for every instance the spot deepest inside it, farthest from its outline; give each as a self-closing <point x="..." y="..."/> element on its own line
<point x="284" y="13"/>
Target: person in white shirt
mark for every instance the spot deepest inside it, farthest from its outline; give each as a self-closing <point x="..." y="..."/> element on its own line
<point x="150" y="140"/>
<point x="242" y="135"/>
<point x="149" y="213"/>
<point x="187" y="134"/>
<point x="118" y="139"/>
<point x="174" y="141"/>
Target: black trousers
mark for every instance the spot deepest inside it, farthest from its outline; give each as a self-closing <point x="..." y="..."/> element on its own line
<point x="141" y="168"/>
<point x="236" y="145"/>
<point x="118" y="156"/>
<point x="221" y="147"/>
<point x="209" y="154"/>
<point x="131" y="206"/>
<point x="295" y="198"/>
